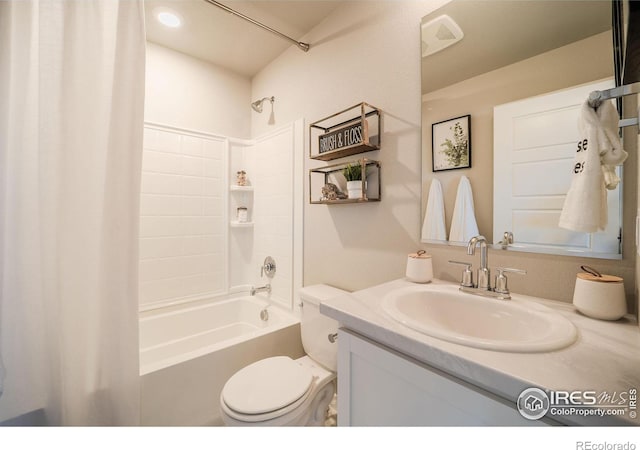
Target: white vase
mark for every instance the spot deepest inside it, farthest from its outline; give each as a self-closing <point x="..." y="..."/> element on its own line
<point x="354" y="189"/>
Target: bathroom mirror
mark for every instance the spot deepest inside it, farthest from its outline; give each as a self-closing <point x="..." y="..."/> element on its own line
<point x="498" y="52"/>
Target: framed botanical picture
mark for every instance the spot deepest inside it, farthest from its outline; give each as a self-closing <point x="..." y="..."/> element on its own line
<point x="451" y="144"/>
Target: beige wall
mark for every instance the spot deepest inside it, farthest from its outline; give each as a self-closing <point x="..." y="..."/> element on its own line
<point x="370" y="51"/>
<point x="190" y="93"/>
<point x="364" y="51"/>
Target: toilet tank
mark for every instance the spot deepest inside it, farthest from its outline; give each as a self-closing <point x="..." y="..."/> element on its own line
<point x="315" y="327"/>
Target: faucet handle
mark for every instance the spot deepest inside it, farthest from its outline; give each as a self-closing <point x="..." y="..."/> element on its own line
<point x="268" y="267"/>
<point x="467" y="274"/>
<point x="507" y="239"/>
<point x="501" y="279"/>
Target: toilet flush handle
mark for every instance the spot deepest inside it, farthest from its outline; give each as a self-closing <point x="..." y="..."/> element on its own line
<point x="333" y="337"/>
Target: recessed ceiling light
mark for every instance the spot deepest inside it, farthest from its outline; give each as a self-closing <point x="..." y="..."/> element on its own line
<point x="169" y="19"/>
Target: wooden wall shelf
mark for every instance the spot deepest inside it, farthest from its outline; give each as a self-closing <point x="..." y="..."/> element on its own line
<point x="333" y="174"/>
<point x="349" y="132"/>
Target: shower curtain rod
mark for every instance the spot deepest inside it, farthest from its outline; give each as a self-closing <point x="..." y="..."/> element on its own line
<point x="301" y="45"/>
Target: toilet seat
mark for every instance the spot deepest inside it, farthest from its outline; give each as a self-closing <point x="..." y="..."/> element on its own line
<point x="267" y="389"/>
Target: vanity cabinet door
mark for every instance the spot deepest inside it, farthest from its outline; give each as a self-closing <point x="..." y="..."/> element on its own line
<point x="380" y="387"/>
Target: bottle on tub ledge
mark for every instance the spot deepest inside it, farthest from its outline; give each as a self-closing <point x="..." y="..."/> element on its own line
<point x="242" y="214"/>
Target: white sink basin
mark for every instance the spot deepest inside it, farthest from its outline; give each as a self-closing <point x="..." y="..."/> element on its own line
<point x="516" y="325"/>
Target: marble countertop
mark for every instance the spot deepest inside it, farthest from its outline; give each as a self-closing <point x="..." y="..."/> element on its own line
<point x="605" y="358"/>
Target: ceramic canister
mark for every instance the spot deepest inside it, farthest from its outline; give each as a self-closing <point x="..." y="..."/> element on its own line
<point x="600" y="297"/>
<point x="419" y="267"/>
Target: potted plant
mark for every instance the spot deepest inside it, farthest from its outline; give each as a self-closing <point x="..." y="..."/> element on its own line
<point x="353" y="174"/>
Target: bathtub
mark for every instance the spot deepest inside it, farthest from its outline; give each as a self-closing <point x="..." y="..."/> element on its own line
<point x="188" y="352"/>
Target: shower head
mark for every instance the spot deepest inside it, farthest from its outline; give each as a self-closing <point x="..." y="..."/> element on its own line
<point x="257" y="105"/>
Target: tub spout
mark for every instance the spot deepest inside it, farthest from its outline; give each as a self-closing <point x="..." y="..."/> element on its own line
<point x="266" y="288"/>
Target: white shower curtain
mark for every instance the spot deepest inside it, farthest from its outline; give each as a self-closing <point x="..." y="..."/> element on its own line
<point x="71" y="121"/>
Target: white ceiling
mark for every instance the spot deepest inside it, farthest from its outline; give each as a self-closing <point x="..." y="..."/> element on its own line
<point x="211" y="34"/>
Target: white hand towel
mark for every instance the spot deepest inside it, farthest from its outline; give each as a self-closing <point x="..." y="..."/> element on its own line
<point x="610" y="147"/>
<point x="433" y="227"/>
<point x="585" y="206"/>
<point x="463" y="223"/>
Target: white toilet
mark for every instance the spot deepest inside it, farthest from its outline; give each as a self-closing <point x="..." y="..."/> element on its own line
<point x="280" y="391"/>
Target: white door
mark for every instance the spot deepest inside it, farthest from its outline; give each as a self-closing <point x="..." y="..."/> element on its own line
<point x="534" y="149"/>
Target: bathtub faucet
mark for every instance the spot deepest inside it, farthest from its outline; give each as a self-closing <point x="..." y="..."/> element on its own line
<point x="266" y="288"/>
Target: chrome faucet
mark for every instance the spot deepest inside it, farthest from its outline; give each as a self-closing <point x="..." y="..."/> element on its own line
<point x="266" y="288"/>
<point x="484" y="280"/>
<point x="483" y="287"/>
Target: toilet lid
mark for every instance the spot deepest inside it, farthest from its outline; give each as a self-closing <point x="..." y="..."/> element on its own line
<point x="267" y="385"/>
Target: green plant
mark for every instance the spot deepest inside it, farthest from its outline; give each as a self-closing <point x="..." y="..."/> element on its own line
<point x="352" y="172"/>
<point x="457" y="152"/>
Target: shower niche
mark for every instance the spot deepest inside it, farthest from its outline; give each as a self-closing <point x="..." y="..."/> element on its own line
<point x="241" y="201"/>
<point x="272" y="195"/>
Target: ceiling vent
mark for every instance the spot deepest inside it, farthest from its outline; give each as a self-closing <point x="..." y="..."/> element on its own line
<point x="438" y="34"/>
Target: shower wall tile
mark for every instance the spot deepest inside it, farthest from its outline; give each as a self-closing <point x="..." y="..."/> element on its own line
<point x="202" y="226"/>
<point x="213" y="149"/>
<point x="160" y="205"/>
<point x="193" y="166"/>
<point x="167" y="141"/>
<point x="160" y="226"/>
<point x="157" y="183"/>
<point x="160" y="290"/>
<point x="161" y="162"/>
<point x="182" y="218"/>
<point x="273" y="209"/>
<point x="192" y="185"/>
<point x="191" y="146"/>
<point x="150" y="138"/>
<point x="192" y="206"/>
<point x="173" y="288"/>
<point x="203" y="245"/>
<point x="213" y="206"/>
<point x="212" y="187"/>
<point x="212" y="167"/>
<point x="162" y="247"/>
<point x="185" y="241"/>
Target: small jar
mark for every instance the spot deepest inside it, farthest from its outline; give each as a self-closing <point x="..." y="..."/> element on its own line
<point x="242" y="214"/>
<point x="419" y="267"/>
<point x="600" y="297"/>
<point x="241" y="179"/>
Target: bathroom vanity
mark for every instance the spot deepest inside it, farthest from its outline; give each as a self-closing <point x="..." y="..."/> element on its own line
<point x="382" y="387"/>
<point x="392" y="374"/>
